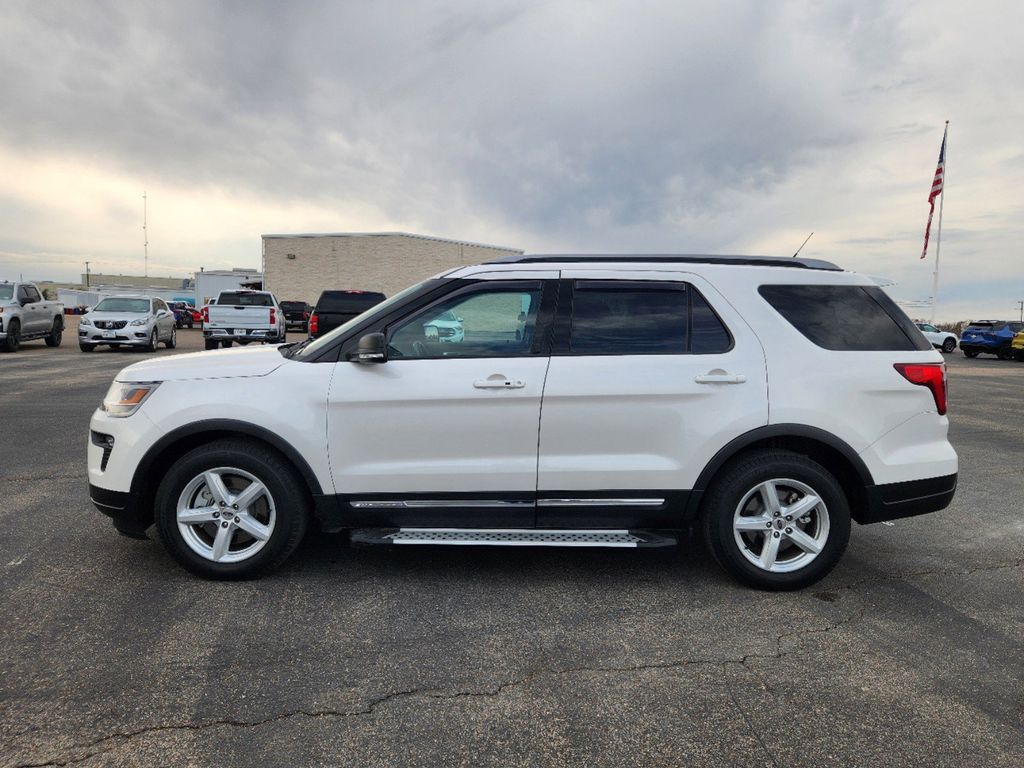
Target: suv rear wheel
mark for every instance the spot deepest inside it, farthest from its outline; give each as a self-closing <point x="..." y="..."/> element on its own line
<point x="948" y="345"/>
<point x="776" y="520"/>
<point x="231" y="509"/>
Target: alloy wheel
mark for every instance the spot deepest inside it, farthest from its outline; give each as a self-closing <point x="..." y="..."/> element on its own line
<point x="781" y="525"/>
<point x="226" y="515"/>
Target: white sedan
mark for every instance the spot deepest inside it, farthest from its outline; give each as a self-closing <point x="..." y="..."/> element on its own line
<point x="943" y="340"/>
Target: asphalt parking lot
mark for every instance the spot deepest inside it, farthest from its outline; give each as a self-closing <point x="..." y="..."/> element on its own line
<point x="910" y="653"/>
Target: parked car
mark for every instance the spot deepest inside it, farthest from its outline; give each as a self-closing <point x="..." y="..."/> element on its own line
<point x="679" y="392"/>
<point x="182" y="314"/>
<point x="128" y="321"/>
<point x="446" y="327"/>
<point x="335" y="308"/>
<point x="1017" y="345"/>
<point x="243" y="316"/>
<point x="25" y="315"/>
<point x="296" y="314"/>
<point x="943" y="340"/>
<point x="994" y="337"/>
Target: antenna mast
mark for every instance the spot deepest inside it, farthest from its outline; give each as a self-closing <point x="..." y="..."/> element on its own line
<point x="802" y="245"/>
<point x="145" y="238"/>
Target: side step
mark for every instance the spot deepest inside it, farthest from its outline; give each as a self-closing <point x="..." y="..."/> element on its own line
<point x="511" y="537"/>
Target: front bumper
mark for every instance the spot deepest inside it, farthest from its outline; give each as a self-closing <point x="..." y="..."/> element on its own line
<point x="138" y="335"/>
<point x="123" y="509"/>
<point x="892" y="501"/>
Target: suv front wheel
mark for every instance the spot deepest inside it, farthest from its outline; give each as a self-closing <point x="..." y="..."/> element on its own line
<point x="231" y="509"/>
<point x="776" y="520"/>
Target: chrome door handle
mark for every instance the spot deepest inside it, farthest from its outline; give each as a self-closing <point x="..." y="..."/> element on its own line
<point x="499" y="382"/>
<point x="720" y="377"/>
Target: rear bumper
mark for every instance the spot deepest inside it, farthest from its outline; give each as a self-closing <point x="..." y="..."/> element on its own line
<point x="916" y="497"/>
<point x="240" y="333"/>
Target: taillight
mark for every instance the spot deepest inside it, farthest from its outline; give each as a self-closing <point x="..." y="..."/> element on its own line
<point x="931" y="375"/>
<point x="273" y="316"/>
<point x="314" y="324"/>
<point x="206" y="314"/>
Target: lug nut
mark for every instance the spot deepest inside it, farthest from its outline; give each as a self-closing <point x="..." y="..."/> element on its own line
<point x="789" y="530"/>
<point x="776" y="534"/>
<point x="216" y="514"/>
<point x="234" y="506"/>
<point x="237" y="518"/>
<point x="789" y="517"/>
<point x="769" y="525"/>
<point x="221" y="503"/>
<point x="225" y="525"/>
<point x="775" y="514"/>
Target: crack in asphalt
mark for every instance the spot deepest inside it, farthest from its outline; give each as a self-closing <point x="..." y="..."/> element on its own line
<point x="373" y="705"/>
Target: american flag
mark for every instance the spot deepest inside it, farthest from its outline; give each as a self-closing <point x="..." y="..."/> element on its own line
<point x="936" y="190"/>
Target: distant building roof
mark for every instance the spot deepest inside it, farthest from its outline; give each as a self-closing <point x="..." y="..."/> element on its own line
<point x="392" y="234"/>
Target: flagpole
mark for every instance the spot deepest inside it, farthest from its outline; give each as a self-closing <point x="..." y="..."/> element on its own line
<point x="938" y="234"/>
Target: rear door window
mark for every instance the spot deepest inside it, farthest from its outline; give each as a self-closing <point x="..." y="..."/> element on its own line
<point x="246" y="299"/>
<point x="846" y="317"/>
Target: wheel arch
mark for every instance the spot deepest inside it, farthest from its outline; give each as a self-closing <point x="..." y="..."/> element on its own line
<point x="158" y="459"/>
<point x="824" y="447"/>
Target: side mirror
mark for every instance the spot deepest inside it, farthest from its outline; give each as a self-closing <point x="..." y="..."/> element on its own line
<point x="372" y="349"/>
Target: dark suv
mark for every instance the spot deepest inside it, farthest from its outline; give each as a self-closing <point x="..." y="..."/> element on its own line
<point x="992" y="336"/>
<point x="335" y="308"/>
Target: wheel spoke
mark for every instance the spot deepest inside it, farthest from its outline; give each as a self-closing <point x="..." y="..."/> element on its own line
<point x="196" y="515"/>
<point x="769" y="497"/>
<point x="253" y="527"/>
<point x="752" y="523"/>
<point x="769" y="551"/>
<point x="215" y="483"/>
<point x="246" y="498"/>
<point x="804" y="541"/>
<point x="222" y="543"/>
<point x="802" y="507"/>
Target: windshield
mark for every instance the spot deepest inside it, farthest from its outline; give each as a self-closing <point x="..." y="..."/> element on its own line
<point x="123" y="305"/>
<point x="6" y="292"/>
<point x="310" y="349"/>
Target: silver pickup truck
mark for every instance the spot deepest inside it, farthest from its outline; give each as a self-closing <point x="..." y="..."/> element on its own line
<point x="243" y="316"/>
<point x="25" y="315"/>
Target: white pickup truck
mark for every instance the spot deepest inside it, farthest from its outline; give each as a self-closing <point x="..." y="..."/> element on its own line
<point x="243" y="316"/>
<point x="25" y="315"/>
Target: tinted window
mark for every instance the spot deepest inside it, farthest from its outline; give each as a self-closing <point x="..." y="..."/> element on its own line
<point x="241" y="299"/>
<point x="348" y="301"/>
<point x="643" y="318"/>
<point x="489" y="322"/>
<point x="707" y="334"/>
<point x="846" y="317"/>
<point x="6" y="292"/>
<point x="1016" y="327"/>
<point x="293" y="306"/>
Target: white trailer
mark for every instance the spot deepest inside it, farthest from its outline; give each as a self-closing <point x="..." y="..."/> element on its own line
<point x="210" y="283"/>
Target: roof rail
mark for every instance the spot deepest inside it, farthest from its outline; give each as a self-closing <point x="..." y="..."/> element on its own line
<point x="668" y="258"/>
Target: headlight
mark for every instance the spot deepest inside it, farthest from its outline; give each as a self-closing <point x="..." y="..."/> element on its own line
<point x="85" y="321"/>
<point x="125" y="399"/>
<point x="140" y="321"/>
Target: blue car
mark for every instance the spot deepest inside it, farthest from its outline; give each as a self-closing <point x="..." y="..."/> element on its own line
<point x="990" y="336"/>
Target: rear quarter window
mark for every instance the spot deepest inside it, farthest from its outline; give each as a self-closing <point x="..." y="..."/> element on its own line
<point x="846" y="318"/>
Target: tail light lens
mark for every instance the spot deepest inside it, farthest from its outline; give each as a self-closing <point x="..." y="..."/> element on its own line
<point x="273" y="316"/>
<point x="206" y="314"/>
<point x="931" y="375"/>
<point x="314" y="324"/>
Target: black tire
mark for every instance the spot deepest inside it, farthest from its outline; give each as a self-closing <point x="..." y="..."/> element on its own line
<point x="948" y="345"/>
<point x="227" y="344"/>
<point x="970" y="352"/>
<point x="733" y="485"/>
<point x="211" y="344"/>
<point x="172" y="342"/>
<point x="13" y="340"/>
<point x="87" y="347"/>
<point x="56" y="333"/>
<point x="153" y="342"/>
<point x="289" y="493"/>
<point x="1018" y="355"/>
<point x="1005" y="353"/>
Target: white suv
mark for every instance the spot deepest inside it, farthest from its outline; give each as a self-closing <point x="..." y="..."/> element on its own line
<point x="591" y="401"/>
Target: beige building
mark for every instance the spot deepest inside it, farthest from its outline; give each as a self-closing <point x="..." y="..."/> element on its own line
<point x="299" y="267"/>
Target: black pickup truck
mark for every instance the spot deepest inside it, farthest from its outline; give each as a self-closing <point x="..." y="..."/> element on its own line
<point x="335" y="308"/>
<point x="296" y="314"/>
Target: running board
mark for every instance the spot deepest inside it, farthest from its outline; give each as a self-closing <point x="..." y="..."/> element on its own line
<point x="511" y="537"/>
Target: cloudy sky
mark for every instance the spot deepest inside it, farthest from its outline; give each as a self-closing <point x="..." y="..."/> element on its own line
<point x="725" y="127"/>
